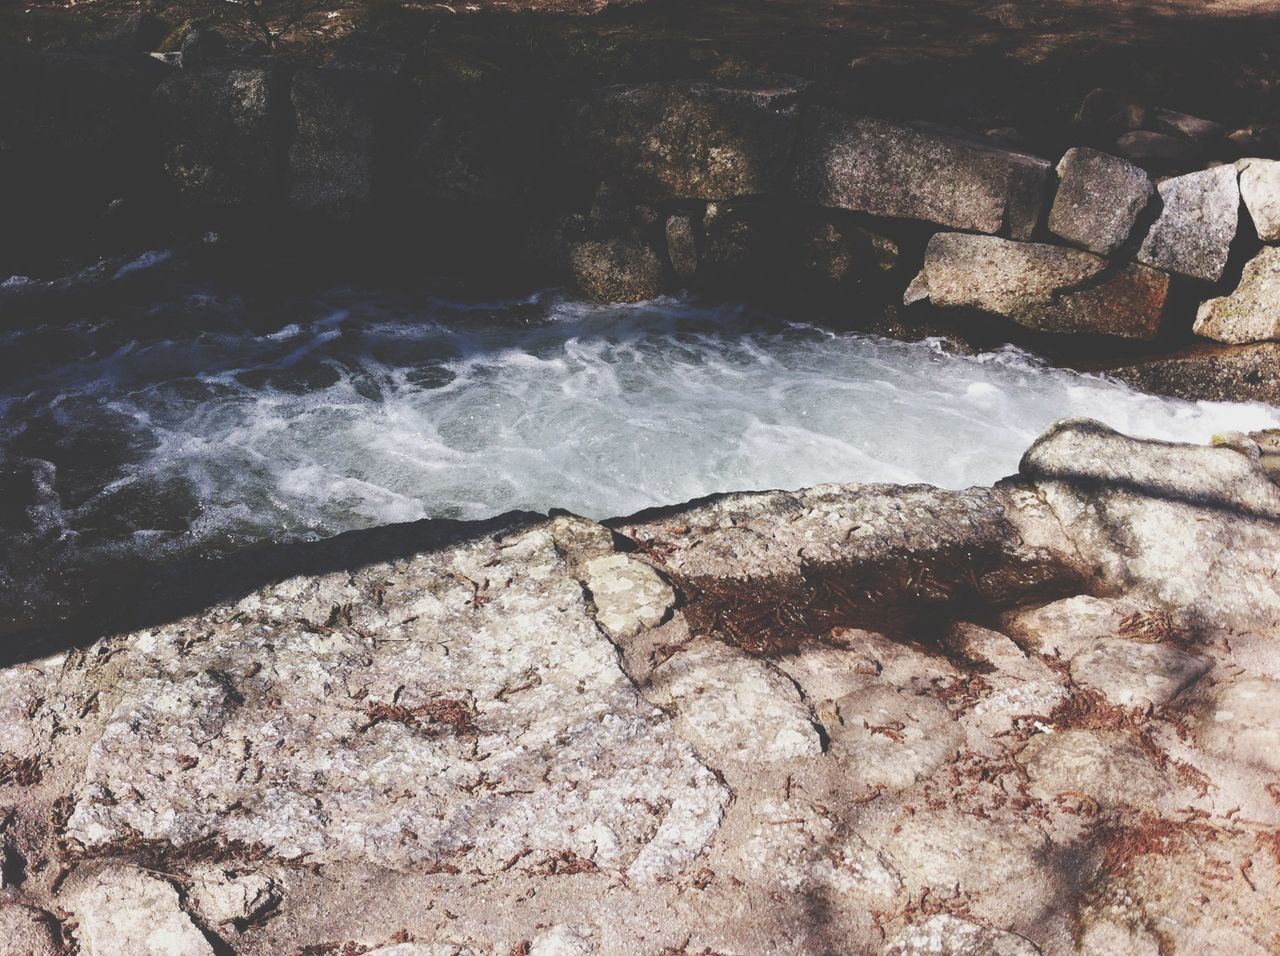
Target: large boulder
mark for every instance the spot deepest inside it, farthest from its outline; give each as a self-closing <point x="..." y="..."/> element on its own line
<point x="1098" y="201"/>
<point x="339" y="120"/>
<point x="1198" y="216"/>
<point x="1043" y="287"/>
<point x="1260" y="190"/>
<point x="920" y="172"/>
<point x="122" y="909"/>
<point x="223" y="134"/>
<point x="1191" y="527"/>
<point x="1251" y="313"/>
<point x="686" y="140"/>
<point x="604" y="263"/>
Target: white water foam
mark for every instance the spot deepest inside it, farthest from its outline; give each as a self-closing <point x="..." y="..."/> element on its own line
<point x="366" y="411"/>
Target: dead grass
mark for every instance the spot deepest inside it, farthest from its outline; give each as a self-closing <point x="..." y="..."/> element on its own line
<point x="19" y="771"/>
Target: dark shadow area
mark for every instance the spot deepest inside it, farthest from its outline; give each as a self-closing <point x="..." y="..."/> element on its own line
<point x="147" y="594"/>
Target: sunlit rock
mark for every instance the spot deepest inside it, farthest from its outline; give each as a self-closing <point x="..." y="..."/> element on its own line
<point x="1099" y="199"/>
<point x="1193" y="233"/>
<point x="121" y="909"/>
<point x="1260" y="190"/>
<point x="1049" y="288"/>
<point x="1249" y="313"/>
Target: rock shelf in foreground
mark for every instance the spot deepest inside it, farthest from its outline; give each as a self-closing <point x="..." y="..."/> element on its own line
<point x="1030" y="719"/>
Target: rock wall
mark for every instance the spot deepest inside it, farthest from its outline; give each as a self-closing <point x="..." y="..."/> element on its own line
<point x="1030" y="719"/>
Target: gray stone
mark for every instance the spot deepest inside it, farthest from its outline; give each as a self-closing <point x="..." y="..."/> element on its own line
<point x="734" y="705"/>
<point x="628" y="594"/>
<point x="1202" y="132"/>
<point x="1241" y="721"/>
<point x="1220" y="373"/>
<point x="1067" y="627"/>
<point x="918" y="172"/>
<point x="1043" y="287"/>
<point x="371" y="741"/>
<point x="686" y="140"/>
<point x="25" y="931"/>
<point x="1184" y="526"/>
<point x="222" y="135"/>
<point x="1251" y="313"/>
<point x="606" y="264"/>
<point x="1260" y="190"/>
<point x="565" y="940"/>
<point x="945" y="935"/>
<point x="949" y="850"/>
<point x="1156" y="152"/>
<point x="1105" y="766"/>
<point x="682" y="246"/>
<point x="1098" y="201"/>
<point x="1133" y="674"/>
<point x="1197" y="222"/>
<point x="892" y="738"/>
<point x="333" y="156"/>
<point x="121" y="909"/>
<point x="223" y="897"/>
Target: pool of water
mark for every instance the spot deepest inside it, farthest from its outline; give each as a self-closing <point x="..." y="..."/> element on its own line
<point x="199" y="419"/>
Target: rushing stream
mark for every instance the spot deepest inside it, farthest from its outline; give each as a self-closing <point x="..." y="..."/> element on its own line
<point x="196" y="421"/>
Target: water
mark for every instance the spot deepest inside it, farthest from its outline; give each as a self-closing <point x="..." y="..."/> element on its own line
<point x="197" y="419"/>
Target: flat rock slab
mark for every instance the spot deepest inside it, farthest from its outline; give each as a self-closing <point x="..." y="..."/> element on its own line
<point x="919" y="172"/>
<point x="1223" y="373"/>
<point x="735" y="706"/>
<point x="489" y="718"/>
<point x="1098" y="201"/>
<point x="1049" y="288"/>
<point x="1192" y="235"/>
<point x="1132" y="674"/>
<point x="891" y="738"/>
<point x="1105" y="766"/>
<point x="1241" y="723"/>
<point x="1260" y="190"/>
<point x="1251" y="313"/>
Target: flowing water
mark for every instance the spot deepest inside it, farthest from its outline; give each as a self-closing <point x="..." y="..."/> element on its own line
<point x="196" y="419"/>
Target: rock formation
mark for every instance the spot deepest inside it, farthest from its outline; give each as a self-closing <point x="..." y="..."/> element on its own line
<point x="1029" y="719"/>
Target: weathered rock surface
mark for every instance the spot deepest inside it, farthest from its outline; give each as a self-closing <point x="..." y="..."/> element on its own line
<point x="1226" y="373"/>
<point x="1099" y="199"/>
<point x="687" y="140"/>
<point x="1134" y="674"/>
<point x="918" y="172"/>
<point x="339" y="116"/>
<point x="1198" y="216"/>
<point x="682" y="246"/>
<point x="607" y="265"/>
<point x="1260" y="190"/>
<point x="223" y="134"/>
<point x="1251" y="313"/>
<point x="945" y="935"/>
<point x="25" y="931"/>
<point x="815" y="749"/>
<point x="1043" y="287"/>
<point x="121" y="909"/>
<point x="1190" y="527"/>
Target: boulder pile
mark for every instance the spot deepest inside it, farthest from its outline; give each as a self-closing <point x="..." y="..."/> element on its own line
<point x="1034" y="719"/>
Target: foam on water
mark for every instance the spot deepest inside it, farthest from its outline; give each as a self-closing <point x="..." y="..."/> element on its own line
<point x="350" y="410"/>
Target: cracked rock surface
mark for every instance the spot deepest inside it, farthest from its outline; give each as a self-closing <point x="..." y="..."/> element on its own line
<point x="1031" y="719"/>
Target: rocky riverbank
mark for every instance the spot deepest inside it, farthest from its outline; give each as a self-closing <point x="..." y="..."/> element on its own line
<point x="1032" y="718"/>
<point x="1114" y="232"/>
